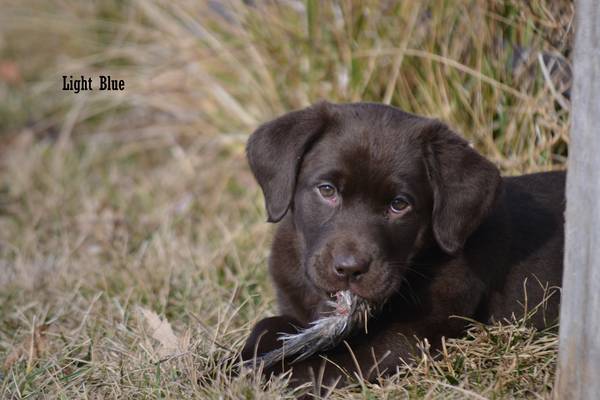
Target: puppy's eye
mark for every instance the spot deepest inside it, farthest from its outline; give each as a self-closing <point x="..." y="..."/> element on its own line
<point x="399" y="205"/>
<point x="327" y="191"/>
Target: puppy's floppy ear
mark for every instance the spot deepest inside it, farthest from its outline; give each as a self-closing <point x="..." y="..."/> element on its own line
<point x="465" y="186"/>
<point x="275" y="152"/>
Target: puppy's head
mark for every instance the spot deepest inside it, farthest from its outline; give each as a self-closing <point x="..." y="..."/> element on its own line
<point x="367" y="187"/>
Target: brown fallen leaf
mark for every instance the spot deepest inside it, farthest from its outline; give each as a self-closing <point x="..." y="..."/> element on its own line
<point x="32" y="346"/>
<point x="161" y="332"/>
<point x="10" y="72"/>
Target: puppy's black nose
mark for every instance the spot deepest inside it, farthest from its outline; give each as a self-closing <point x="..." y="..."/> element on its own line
<point x="349" y="266"/>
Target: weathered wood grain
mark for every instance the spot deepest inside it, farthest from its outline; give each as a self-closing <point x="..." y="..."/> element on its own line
<point x="579" y="357"/>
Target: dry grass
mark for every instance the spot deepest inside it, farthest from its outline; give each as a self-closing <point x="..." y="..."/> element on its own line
<point x="112" y="203"/>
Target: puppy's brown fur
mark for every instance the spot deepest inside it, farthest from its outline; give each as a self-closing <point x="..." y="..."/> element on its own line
<point x="420" y="225"/>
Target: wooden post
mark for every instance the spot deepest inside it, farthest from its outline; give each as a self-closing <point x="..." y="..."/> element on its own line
<point x="578" y="375"/>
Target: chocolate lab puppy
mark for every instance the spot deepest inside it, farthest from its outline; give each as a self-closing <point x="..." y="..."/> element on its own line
<point x="403" y="213"/>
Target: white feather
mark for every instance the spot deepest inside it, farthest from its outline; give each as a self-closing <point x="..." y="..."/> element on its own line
<point x="324" y="333"/>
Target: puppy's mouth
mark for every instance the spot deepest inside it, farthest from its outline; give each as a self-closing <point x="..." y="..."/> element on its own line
<point x="352" y="290"/>
<point x="331" y="291"/>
